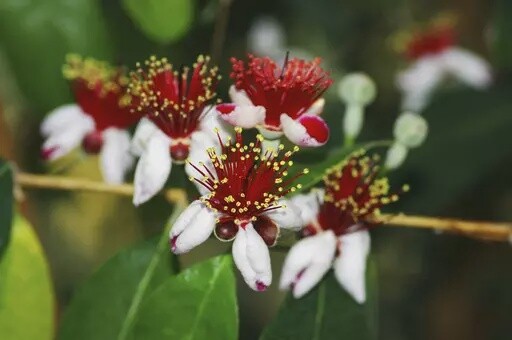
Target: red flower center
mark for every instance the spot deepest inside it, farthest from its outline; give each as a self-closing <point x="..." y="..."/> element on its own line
<point x="353" y="196"/>
<point x="290" y="89"/>
<point x="100" y="91"/>
<point x="245" y="183"/>
<point x="430" y="42"/>
<point x="174" y="100"/>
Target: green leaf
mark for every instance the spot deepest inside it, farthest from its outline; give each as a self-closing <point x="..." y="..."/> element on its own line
<point x="26" y="294"/>
<point x="36" y="36"/>
<point x="318" y="164"/>
<point x="108" y="303"/>
<point x="163" y="21"/>
<point x="6" y="204"/>
<point x="327" y="312"/>
<point x="200" y="303"/>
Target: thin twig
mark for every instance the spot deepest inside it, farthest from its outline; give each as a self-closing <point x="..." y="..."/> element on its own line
<point x="488" y="231"/>
<point x="220" y="29"/>
<point x="66" y="183"/>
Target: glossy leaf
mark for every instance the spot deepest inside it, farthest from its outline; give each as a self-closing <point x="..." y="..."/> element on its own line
<point x="6" y="204"/>
<point x="108" y="303"/>
<point x="26" y="293"/>
<point x="163" y="21"/>
<point x="36" y="36"/>
<point x="327" y="312"/>
<point x="317" y="168"/>
<point x="200" y="303"/>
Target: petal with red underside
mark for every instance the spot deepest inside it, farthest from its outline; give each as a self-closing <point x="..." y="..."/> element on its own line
<point x="306" y="130"/>
<point x="244" y="116"/>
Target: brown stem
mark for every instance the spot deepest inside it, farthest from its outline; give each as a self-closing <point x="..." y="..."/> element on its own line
<point x="220" y="29"/>
<point x="64" y="183"/>
<point x="488" y="231"/>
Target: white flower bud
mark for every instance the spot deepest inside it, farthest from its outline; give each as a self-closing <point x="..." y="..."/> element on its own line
<point x="353" y="121"/>
<point x="357" y="89"/>
<point x="410" y="129"/>
<point x="396" y="156"/>
<point x="266" y="37"/>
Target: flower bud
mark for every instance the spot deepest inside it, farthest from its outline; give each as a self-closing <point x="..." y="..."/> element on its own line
<point x="410" y="129"/>
<point x="357" y="89"/>
<point x="396" y="156"/>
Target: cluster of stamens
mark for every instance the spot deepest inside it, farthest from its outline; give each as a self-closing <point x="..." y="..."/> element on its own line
<point x="354" y="195"/>
<point x="433" y="38"/>
<point x="289" y="89"/>
<point x="98" y="76"/>
<point x="173" y="99"/>
<point x="244" y="182"/>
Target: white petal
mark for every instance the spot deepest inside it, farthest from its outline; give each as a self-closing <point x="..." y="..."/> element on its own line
<point x="185" y="218"/>
<point x="153" y="168"/>
<point x="143" y="132"/>
<point x="244" y="116"/>
<point x="308" y="204"/>
<point x="66" y="139"/>
<point x="211" y="123"/>
<point x="296" y="131"/>
<point x="418" y="82"/>
<point x="252" y="258"/>
<point x="317" y="107"/>
<point x="468" y="67"/>
<point x="239" y="97"/>
<point x="60" y="118"/>
<point x="192" y="228"/>
<point x="199" y="143"/>
<point x="287" y="217"/>
<point x="350" y="265"/>
<point x="115" y="155"/>
<point x="307" y="262"/>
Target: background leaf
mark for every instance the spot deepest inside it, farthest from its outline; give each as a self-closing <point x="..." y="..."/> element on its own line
<point x="6" y="203"/>
<point x="161" y="20"/>
<point x="26" y="294"/>
<point x="107" y="304"/>
<point x="327" y="312"/>
<point x="200" y="303"/>
<point x="36" y="35"/>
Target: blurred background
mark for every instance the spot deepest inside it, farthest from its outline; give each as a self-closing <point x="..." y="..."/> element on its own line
<point x="431" y="286"/>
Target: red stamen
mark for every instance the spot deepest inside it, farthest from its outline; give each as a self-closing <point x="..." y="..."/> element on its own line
<point x="291" y="89"/>
<point x="100" y="90"/>
<point x="173" y="100"/>
<point x="353" y="195"/>
<point x="244" y="184"/>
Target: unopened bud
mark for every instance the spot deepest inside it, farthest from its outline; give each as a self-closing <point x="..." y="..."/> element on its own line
<point x="410" y="129"/>
<point x="357" y="89"/>
<point x="396" y="156"/>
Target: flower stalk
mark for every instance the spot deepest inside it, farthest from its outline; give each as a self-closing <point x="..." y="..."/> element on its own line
<point x="480" y="230"/>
